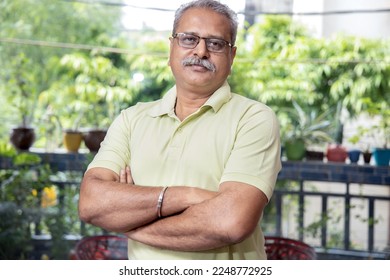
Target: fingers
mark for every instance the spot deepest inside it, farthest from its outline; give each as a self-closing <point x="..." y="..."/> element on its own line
<point x="125" y="176"/>
<point x="129" y="178"/>
<point x="122" y="176"/>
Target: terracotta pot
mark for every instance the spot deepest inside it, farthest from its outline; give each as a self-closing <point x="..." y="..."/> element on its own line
<point x="93" y="138"/>
<point x="22" y="138"/>
<point x="336" y="153"/>
<point x="72" y="140"/>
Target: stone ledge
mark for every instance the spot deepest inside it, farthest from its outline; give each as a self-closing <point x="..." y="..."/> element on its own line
<point x="335" y="172"/>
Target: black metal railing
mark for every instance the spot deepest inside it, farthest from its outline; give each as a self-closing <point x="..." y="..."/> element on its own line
<point x="339" y="177"/>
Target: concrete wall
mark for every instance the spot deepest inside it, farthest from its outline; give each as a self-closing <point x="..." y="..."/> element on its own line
<point x="369" y="25"/>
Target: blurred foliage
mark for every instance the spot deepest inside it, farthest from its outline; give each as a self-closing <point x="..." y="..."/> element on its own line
<point x="62" y="88"/>
<point x="310" y="126"/>
<point x="34" y="200"/>
<point x="20" y="191"/>
<point x="307" y="81"/>
<point x="93" y="90"/>
<point x="25" y="71"/>
<point x="280" y="64"/>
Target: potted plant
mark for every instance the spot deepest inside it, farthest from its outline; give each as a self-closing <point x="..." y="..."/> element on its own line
<point x="93" y="90"/>
<point x="68" y="110"/>
<point x="72" y="136"/>
<point x="335" y="151"/>
<point x="354" y="152"/>
<point x="367" y="154"/>
<point x="97" y="118"/>
<point x="381" y="154"/>
<point x="22" y="94"/>
<point x="71" y="116"/>
<point x="354" y="155"/>
<point x="100" y="88"/>
<point x="361" y="145"/>
<point x="381" y="131"/>
<point x="304" y="129"/>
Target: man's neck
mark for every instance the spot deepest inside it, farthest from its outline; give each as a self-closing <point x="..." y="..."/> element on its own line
<point x="188" y="103"/>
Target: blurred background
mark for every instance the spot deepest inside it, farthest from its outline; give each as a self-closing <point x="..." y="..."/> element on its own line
<point x="69" y="67"/>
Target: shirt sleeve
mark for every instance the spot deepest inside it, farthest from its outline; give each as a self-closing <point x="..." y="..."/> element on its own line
<point x="114" y="152"/>
<point x="255" y="157"/>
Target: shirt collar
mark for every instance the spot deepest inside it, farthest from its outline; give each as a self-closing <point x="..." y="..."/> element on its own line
<point x="167" y="104"/>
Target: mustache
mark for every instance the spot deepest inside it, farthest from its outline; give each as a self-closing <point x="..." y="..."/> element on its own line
<point x="189" y="61"/>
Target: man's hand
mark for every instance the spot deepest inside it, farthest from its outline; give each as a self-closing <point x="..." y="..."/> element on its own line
<point x="225" y="217"/>
<point x="112" y="201"/>
<point x="125" y="176"/>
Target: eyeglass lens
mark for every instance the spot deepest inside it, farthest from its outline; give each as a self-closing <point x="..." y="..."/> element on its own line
<point x="191" y="41"/>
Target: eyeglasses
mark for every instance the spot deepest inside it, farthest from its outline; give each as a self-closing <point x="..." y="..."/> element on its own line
<point x="190" y="41"/>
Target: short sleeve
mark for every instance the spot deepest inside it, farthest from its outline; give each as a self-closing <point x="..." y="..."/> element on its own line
<point x="114" y="152"/>
<point x="255" y="157"/>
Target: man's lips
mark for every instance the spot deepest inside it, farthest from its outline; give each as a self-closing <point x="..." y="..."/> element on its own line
<point x="198" y="63"/>
<point x="198" y="67"/>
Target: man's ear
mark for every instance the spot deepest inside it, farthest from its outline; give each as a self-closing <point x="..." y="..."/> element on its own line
<point x="234" y="51"/>
<point x="170" y="51"/>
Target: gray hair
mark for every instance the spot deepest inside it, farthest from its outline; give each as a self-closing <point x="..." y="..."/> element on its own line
<point x="212" y="5"/>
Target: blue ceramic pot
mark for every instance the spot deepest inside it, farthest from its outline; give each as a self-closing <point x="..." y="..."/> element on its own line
<point x="354" y="155"/>
<point x="381" y="156"/>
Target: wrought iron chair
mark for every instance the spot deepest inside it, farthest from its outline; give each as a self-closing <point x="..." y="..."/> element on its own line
<point x="279" y="248"/>
<point x="102" y="247"/>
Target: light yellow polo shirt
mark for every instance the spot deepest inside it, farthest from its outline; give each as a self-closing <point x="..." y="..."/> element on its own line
<point x="230" y="138"/>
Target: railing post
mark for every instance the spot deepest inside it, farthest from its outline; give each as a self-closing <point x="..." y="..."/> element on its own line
<point x="278" y="205"/>
<point x="301" y="210"/>
<point x="347" y="214"/>
<point x="371" y="222"/>
<point x="324" y="218"/>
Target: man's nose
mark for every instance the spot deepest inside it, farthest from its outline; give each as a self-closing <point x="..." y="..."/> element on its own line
<point x="201" y="49"/>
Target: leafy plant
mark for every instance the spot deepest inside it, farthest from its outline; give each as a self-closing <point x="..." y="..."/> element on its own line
<point x="358" y="138"/>
<point x="20" y="91"/>
<point x="152" y="66"/>
<point x="381" y="130"/>
<point x="28" y="205"/>
<point x="94" y="91"/>
<point x="306" y="125"/>
<point x="20" y="204"/>
<point x="280" y="62"/>
<point x="37" y="27"/>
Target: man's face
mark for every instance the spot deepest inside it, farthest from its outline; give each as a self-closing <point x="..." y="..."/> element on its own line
<point x="207" y="24"/>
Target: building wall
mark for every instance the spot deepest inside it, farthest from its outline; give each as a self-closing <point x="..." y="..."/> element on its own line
<point x="312" y="22"/>
<point x="369" y="25"/>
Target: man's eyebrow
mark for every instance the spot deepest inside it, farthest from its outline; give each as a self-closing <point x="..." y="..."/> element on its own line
<point x="208" y="37"/>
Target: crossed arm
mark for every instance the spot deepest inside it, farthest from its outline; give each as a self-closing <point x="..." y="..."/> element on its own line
<point x="194" y="219"/>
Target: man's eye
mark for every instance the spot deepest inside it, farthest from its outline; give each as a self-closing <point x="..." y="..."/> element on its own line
<point x="189" y="39"/>
<point x="216" y="43"/>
